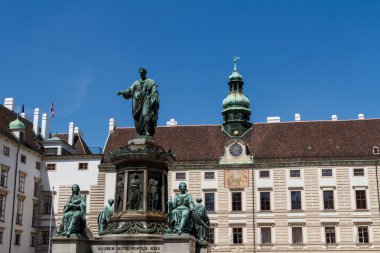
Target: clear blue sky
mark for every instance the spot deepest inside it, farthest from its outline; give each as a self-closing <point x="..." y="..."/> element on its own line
<point x="316" y="58"/>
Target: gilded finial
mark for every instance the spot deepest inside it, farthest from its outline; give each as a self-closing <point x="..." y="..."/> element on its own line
<point x="236" y="58"/>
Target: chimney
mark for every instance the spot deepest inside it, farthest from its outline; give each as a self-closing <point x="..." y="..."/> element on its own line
<point x="171" y="122"/>
<point x="78" y="131"/>
<point x="297" y="117"/>
<point x="45" y="126"/>
<point x="334" y="117"/>
<point x="9" y="103"/>
<point x="36" y="118"/>
<point x="23" y="115"/>
<point x="70" y="139"/>
<point x="275" y="119"/>
<point x="111" y="125"/>
<point x="361" y="116"/>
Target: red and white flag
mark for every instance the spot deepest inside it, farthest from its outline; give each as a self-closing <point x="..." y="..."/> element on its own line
<point x="52" y="109"/>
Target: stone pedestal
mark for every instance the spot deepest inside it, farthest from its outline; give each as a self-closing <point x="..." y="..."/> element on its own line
<point x="73" y="244"/>
<point x="184" y="243"/>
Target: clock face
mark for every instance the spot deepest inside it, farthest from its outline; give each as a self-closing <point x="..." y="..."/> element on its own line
<point x="236" y="149"/>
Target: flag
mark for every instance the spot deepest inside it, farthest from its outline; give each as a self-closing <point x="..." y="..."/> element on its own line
<point x="52" y="109"/>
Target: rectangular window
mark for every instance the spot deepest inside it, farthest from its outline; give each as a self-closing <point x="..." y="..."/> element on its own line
<point x="180" y="176"/>
<point x="46" y="204"/>
<point x="210" y="201"/>
<point x="297" y="235"/>
<point x="237" y="234"/>
<point x="330" y="235"/>
<point x="38" y="165"/>
<point x="209" y="175"/>
<point x="51" y="151"/>
<point x="50" y="166"/>
<point x="211" y="235"/>
<point x="5" y="151"/>
<point x="363" y="234"/>
<point x="32" y="241"/>
<point x="236" y="201"/>
<point x="326" y="172"/>
<point x="20" y="209"/>
<point x="36" y="188"/>
<point x="34" y="215"/>
<point x="265" y="200"/>
<point x="23" y="158"/>
<point x="295" y="173"/>
<point x="83" y="166"/>
<point x="4" y="177"/>
<point x="358" y="172"/>
<point x="45" y="237"/>
<point x="2" y="207"/>
<point x="21" y="183"/>
<point x="1" y="236"/>
<point x="296" y="200"/>
<point x="361" y="202"/>
<point x="328" y="199"/>
<point x="17" y="239"/>
<point x="266" y="237"/>
<point x="264" y="173"/>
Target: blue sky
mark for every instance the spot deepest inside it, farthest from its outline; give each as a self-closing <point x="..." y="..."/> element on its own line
<point x="316" y="58"/>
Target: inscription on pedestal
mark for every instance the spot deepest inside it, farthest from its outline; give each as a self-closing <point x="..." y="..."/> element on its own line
<point x="128" y="249"/>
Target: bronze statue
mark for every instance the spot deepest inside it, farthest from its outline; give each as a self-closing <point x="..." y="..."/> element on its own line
<point x="202" y="222"/>
<point x="105" y="215"/>
<point x="74" y="220"/>
<point x="180" y="208"/>
<point x="152" y="194"/>
<point x="134" y="193"/>
<point x="145" y="103"/>
<point x="119" y="192"/>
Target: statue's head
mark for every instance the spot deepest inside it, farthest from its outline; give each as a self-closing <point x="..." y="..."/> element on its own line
<point x="111" y="201"/>
<point x="199" y="200"/>
<point x="182" y="186"/>
<point x="143" y="70"/>
<point x="75" y="188"/>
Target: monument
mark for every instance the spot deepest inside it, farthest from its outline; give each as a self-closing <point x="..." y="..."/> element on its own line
<point x="143" y="220"/>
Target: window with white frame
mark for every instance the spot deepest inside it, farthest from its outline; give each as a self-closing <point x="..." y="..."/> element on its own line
<point x="361" y="199"/>
<point x="295" y="173"/>
<point x="50" y="166"/>
<point x="4" y="176"/>
<point x="46" y="209"/>
<point x="327" y="172"/>
<point x="5" y="151"/>
<point x="82" y="166"/>
<point x="20" y="210"/>
<point x="237" y="235"/>
<point x="358" y="172"/>
<point x="2" y="207"/>
<point x="236" y="198"/>
<point x="180" y="176"/>
<point x="210" y="201"/>
<point x="330" y="234"/>
<point x="264" y="174"/>
<point x="45" y="237"/>
<point x="264" y="201"/>
<point x="21" y="183"/>
<point x="266" y="235"/>
<point x="363" y="235"/>
<point x="296" y="201"/>
<point x="328" y="199"/>
<point x="211" y="235"/>
<point x="210" y="175"/>
<point x="297" y="237"/>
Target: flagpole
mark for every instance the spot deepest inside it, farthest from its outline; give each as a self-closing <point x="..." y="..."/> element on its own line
<point x="51" y="218"/>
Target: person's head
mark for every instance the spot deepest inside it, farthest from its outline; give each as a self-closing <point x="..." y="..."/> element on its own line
<point x="182" y="186"/>
<point x="143" y="72"/>
<point x="111" y="201"/>
<point x="75" y="188"/>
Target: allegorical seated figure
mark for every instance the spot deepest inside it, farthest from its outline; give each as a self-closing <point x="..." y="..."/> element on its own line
<point x="105" y="215"/>
<point x="74" y="220"/>
<point x="180" y="220"/>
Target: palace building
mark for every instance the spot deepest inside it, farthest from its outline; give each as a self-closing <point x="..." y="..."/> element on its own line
<point x="309" y="186"/>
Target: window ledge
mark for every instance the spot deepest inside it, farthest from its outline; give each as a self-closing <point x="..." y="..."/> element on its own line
<point x="297" y="245"/>
<point x="363" y="245"/>
<point x="266" y="244"/>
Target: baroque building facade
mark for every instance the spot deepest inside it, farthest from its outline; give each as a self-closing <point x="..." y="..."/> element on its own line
<point x="309" y="186"/>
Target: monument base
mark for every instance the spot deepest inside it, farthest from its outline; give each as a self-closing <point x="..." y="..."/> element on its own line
<point x="73" y="244"/>
<point x="141" y="243"/>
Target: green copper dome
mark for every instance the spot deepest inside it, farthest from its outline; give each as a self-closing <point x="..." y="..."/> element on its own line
<point x="16" y="125"/>
<point x="235" y="100"/>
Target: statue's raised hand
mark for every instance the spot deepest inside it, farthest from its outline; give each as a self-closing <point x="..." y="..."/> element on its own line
<point x="120" y="93"/>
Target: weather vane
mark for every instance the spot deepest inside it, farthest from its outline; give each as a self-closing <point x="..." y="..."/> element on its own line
<point x="236" y="58"/>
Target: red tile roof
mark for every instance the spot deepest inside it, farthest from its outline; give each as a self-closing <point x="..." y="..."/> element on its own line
<point x="351" y="139"/>
<point x="31" y="141"/>
<point x="79" y="145"/>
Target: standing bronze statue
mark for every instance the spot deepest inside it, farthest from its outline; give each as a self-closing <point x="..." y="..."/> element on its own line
<point x="145" y="103"/>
